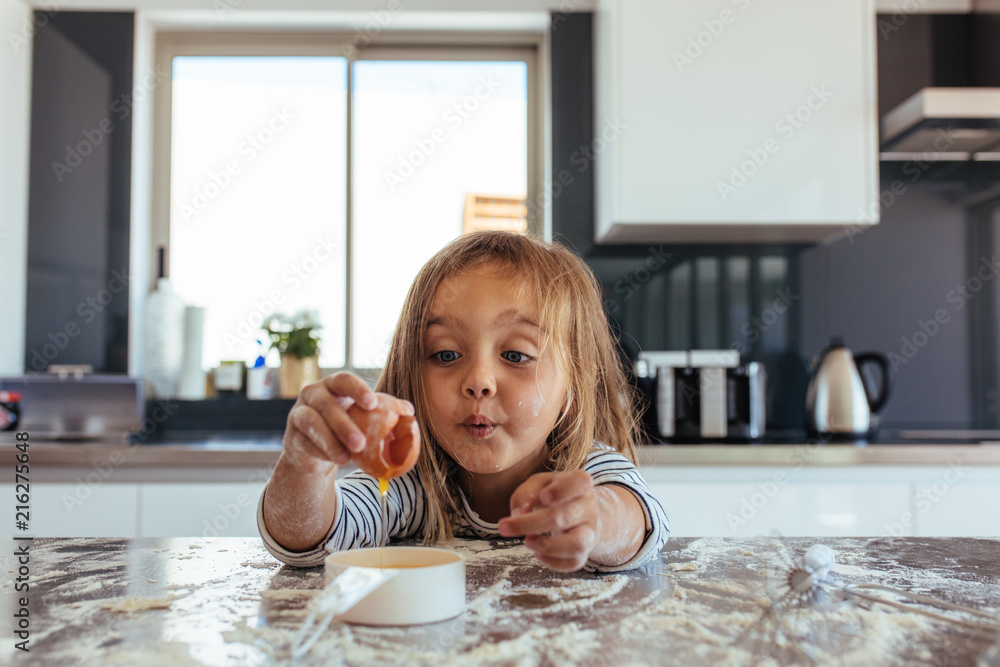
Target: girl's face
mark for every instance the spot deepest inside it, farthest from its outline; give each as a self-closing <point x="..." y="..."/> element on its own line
<point x="492" y="396"/>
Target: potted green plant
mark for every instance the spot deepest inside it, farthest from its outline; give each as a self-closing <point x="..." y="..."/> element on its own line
<point x="297" y="340"/>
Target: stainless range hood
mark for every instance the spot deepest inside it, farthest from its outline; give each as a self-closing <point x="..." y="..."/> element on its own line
<point x="944" y="124"/>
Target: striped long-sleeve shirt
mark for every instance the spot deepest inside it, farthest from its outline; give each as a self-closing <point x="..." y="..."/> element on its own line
<point x="357" y="522"/>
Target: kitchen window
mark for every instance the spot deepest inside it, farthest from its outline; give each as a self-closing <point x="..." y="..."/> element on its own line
<point x="297" y="172"/>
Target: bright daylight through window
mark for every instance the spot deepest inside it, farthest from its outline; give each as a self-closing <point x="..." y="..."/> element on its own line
<point x="259" y="187"/>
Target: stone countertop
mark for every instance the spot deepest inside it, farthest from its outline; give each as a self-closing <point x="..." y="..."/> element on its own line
<point x="226" y="601"/>
<point x="263" y="452"/>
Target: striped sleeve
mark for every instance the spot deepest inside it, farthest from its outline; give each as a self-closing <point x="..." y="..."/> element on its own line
<point x="357" y="521"/>
<point x="607" y="466"/>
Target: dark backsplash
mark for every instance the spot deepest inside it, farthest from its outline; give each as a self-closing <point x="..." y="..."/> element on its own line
<point x="780" y="305"/>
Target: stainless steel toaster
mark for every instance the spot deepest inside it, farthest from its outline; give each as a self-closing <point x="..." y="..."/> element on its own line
<point x="697" y="395"/>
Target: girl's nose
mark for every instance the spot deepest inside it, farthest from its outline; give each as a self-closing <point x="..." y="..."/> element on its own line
<point x="479" y="382"/>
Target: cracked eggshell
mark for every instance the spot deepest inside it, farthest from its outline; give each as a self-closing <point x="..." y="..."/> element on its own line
<point x="393" y="440"/>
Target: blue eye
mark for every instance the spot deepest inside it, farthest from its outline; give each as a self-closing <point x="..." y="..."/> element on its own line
<point x="515" y="357"/>
<point x="445" y="356"/>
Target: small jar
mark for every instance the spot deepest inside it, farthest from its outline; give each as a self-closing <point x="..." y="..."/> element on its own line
<point x="10" y="410"/>
<point x="229" y="377"/>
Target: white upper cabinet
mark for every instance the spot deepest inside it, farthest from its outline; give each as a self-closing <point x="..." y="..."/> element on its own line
<point x="734" y="120"/>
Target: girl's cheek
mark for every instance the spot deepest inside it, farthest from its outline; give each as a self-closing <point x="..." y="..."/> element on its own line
<point x="529" y="411"/>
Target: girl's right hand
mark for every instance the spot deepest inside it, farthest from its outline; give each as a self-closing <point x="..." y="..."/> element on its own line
<point x="319" y="434"/>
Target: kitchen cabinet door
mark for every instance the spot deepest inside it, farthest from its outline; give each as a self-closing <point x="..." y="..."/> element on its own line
<point x="958" y="501"/>
<point x="813" y="510"/>
<point x="732" y="120"/>
<point x="200" y="509"/>
<point x="79" y="510"/>
<point x="760" y="500"/>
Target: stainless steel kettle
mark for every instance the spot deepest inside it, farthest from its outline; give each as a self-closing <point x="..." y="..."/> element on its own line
<point x="840" y="402"/>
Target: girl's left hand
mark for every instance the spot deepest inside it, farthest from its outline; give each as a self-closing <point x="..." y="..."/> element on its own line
<point x="557" y="512"/>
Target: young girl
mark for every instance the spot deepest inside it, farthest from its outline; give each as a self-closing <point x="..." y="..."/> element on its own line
<point x="527" y="427"/>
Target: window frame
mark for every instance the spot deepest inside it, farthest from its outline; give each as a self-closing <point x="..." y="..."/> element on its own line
<point x="515" y="47"/>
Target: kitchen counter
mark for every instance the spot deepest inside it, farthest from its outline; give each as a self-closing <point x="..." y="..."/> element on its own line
<point x="58" y="461"/>
<point x="226" y="601"/>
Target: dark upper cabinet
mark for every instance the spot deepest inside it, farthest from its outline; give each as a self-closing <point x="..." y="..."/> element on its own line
<point x="79" y="191"/>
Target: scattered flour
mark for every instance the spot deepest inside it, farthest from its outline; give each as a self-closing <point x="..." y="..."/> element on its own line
<point x="682" y="567"/>
<point x="92" y="586"/>
<point x="568" y="641"/>
<point x="129" y="604"/>
<point x="154" y="654"/>
<point x="585" y="619"/>
<point x="841" y="568"/>
<point x="288" y="593"/>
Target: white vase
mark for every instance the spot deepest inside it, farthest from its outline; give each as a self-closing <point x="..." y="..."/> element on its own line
<point x="165" y="315"/>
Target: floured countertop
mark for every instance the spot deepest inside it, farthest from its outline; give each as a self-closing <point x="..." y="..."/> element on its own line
<point x="226" y="601"/>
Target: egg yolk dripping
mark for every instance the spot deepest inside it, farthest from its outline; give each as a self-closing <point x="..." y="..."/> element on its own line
<point x="391" y="449"/>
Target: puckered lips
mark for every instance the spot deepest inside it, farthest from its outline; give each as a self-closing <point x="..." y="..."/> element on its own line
<point x="479" y="426"/>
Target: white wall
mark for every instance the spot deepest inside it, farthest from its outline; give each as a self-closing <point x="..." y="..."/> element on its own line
<point x="15" y="119"/>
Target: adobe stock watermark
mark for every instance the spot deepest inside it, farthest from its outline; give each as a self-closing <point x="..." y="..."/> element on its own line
<point x="914" y="169"/>
<point x="958" y="297"/>
<point x="901" y="13"/>
<point x="229" y="512"/>
<point x="301" y="271"/>
<point x="582" y="159"/>
<point x="162" y="409"/>
<point x="104" y="469"/>
<point x="926" y="498"/>
<point x="753" y="329"/>
<point x="752" y="504"/>
<point x="632" y="282"/>
<point x="373" y="27"/>
<point x="220" y="179"/>
<point x="786" y="127"/>
<point x="223" y="8"/>
<point x="453" y="118"/>
<point x="87" y="311"/>
<point x="121" y="108"/>
<point x="40" y="17"/>
<point x="713" y="29"/>
<point x="758" y="325"/>
<point x="565" y="8"/>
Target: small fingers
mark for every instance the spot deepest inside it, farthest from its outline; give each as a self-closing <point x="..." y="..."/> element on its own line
<point x="348" y="385"/>
<point x="573" y="544"/>
<point x="306" y="423"/>
<point x="563" y="564"/>
<point x="565" y="487"/>
<point x="566" y="552"/>
<point x="332" y="408"/>
<point x="557" y="519"/>
<point x="525" y="496"/>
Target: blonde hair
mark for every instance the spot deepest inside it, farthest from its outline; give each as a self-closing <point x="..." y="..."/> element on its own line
<point x="599" y="400"/>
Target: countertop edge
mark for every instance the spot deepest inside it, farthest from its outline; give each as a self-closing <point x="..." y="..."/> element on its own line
<point x="190" y="455"/>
